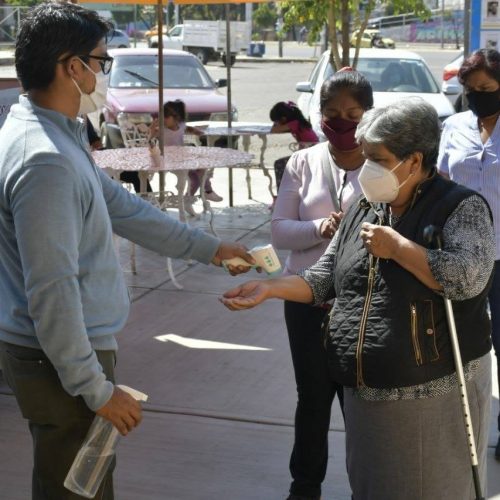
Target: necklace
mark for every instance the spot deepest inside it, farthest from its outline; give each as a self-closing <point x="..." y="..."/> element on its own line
<point x="347" y="160"/>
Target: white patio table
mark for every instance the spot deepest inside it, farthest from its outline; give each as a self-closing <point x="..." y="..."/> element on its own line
<point x="177" y="160"/>
<point x="215" y="129"/>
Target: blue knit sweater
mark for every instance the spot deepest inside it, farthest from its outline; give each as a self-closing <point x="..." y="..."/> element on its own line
<point x="61" y="286"/>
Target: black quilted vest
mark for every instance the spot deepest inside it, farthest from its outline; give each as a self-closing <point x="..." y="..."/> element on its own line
<point x="406" y="339"/>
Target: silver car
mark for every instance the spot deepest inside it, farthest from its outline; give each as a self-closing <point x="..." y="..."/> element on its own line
<point x="394" y="75"/>
<point x="118" y="39"/>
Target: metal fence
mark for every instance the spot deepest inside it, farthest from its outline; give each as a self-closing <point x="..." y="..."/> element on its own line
<point x="10" y="19"/>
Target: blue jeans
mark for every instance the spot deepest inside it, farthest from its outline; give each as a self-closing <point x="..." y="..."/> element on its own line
<point x="315" y="390"/>
<point x="494" y="299"/>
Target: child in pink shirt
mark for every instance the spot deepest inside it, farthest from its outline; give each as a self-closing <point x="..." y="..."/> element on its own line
<point x="173" y="134"/>
<point x="287" y="117"/>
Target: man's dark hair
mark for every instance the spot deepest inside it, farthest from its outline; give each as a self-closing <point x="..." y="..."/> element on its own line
<point x="51" y="31"/>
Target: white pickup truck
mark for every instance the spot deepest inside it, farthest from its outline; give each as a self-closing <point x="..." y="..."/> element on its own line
<point x="206" y="39"/>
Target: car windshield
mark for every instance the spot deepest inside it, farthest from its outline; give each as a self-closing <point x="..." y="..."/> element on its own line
<point x="141" y="71"/>
<point x="395" y="75"/>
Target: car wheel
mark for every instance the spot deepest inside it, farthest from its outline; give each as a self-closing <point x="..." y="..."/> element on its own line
<point x="122" y="46"/>
<point x="202" y="55"/>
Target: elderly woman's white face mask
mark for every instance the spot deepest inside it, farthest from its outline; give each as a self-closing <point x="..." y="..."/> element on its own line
<point x="379" y="184"/>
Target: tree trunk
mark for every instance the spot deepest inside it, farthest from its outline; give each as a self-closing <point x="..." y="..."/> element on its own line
<point x="346" y="28"/>
<point x="332" y="35"/>
<point x="368" y="9"/>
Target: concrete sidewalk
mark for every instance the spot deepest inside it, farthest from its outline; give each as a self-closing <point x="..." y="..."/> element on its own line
<point x="219" y="422"/>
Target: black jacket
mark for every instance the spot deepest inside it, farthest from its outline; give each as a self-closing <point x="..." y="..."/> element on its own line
<point x="391" y="330"/>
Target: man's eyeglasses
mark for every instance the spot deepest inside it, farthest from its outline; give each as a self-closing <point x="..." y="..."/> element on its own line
<point x="104" y="61"/>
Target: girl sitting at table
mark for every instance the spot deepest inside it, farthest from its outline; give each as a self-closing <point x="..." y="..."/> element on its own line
<point x="287" y="117"/>
<point x="174" y="113"/>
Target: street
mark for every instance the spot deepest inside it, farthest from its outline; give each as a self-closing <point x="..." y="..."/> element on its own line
<point x="256" y="86"/>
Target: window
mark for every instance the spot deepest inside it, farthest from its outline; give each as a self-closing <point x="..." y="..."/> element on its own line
<point x="141" y="71"/>
<point x="395" y="75"/>
<point x="175" y="31"/>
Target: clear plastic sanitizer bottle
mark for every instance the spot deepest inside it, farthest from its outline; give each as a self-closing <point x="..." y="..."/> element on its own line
<point x="96" y="454"/>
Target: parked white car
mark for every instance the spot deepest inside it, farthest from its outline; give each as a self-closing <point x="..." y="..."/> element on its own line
<point x="394" y="75"/>
<point x="118" y="39"/>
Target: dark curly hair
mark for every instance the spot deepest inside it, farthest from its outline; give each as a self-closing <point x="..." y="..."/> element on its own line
<point x="487" y="60"/>
<point x="176" y="107"/>
<point x="50" y="31"/>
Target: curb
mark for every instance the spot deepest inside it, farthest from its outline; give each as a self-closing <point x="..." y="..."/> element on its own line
<point x="277" y="59"/>
<point x="9" y="61"/>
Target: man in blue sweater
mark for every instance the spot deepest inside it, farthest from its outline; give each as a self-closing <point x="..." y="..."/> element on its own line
<point x="62" y="292"/>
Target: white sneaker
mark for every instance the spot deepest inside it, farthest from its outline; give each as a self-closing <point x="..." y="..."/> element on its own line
<point x="213" y="196"/>
<point x="188" y="207"/>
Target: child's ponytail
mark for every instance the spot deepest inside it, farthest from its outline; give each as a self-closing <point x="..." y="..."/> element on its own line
<point x="290" y="111"/>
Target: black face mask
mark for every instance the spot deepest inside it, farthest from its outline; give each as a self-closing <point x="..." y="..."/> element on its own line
<point x="484" y="104"/>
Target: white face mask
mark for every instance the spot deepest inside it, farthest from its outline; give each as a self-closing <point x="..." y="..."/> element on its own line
<point x="379" y="184"/>
<point x="96" y="99"/>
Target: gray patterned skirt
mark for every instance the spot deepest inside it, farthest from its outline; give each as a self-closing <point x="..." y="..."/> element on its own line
<point x="416" y="449"/>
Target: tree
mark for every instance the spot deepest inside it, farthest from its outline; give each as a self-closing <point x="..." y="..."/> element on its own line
<point x="264" y="16"/>
<point x="23" y="3"/>
<point x="457" y="27"/>
<point x="342" y="17"/>
<point x="211" y="12"/>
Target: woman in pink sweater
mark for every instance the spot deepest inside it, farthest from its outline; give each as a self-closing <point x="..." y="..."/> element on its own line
<point x="318" y="186"/>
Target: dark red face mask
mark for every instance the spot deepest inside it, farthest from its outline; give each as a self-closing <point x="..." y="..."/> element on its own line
<point x="340" y="133"/>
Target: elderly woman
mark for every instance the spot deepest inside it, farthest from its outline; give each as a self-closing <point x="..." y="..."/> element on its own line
<point x="388" y="341"/>
<point x="468" y="154"/>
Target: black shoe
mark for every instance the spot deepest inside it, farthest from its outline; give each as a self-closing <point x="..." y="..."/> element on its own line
<point x="497" y="449"/>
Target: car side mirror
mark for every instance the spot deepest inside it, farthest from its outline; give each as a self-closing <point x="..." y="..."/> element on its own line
<point x="452" y="90"/>
<point x="304" y="87"/>
<point x="221" y="82"/>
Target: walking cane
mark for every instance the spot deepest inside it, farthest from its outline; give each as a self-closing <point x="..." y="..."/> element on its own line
<point x="433" y="234"/>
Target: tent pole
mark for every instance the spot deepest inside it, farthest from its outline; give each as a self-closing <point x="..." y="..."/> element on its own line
<point x="135" y="25"/>
<point x="161" y="120"/>
<point x="229" y="99"/>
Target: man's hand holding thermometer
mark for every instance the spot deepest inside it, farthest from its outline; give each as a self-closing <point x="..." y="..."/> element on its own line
<point x="265" y="258"/>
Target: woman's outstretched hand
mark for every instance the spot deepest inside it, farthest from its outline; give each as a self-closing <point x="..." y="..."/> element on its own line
<point x="246" y="296"/>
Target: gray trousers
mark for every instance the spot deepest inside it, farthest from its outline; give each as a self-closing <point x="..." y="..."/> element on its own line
<point x="57" y="421"/>
<point x="417" y="449"/>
